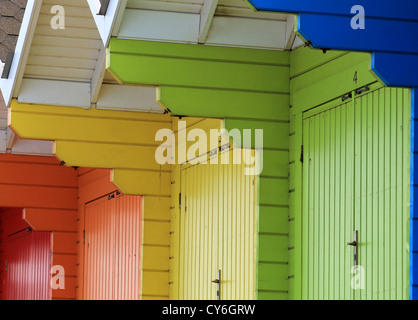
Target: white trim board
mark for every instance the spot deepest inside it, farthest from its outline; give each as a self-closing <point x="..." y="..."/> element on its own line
<point x="9" y="86"/>
<point x="138" y="24"/>
<point x="128" y="98"/>
<point x="33" y="147"/>
<point x="77" y="94"/>
<point x="56" y="93"/>
<point x="107" y="23"/>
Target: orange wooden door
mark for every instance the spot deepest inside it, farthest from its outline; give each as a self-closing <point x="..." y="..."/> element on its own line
<point x="112" y="248"/>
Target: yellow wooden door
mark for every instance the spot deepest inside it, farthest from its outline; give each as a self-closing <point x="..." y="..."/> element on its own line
<point x="218" y="225"/>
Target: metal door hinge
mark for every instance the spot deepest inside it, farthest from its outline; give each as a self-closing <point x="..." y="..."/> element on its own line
<point x="179" y="200"/>
<point x="361" y="90"/>
<point x="84" y="236"/>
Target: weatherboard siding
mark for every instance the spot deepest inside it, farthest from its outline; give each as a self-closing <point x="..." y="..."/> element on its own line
<point x="250" y="90"/>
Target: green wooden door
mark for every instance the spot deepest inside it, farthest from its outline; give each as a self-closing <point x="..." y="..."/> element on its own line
<point x="355" y="177"/>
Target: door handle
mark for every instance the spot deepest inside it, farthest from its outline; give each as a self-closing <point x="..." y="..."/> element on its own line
<point x="218" y="283"/>
<point x="354" y="244"/>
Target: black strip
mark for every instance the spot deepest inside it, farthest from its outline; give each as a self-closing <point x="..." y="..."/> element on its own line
<point x="103" y="7"/>
<point x="7" y="65"/>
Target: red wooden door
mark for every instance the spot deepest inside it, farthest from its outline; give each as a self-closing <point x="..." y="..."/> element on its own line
<point x="26" y="260"/>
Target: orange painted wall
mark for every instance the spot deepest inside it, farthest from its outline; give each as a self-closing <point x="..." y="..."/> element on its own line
<point x="54" y="198"/>
<point x="47" y="193"/>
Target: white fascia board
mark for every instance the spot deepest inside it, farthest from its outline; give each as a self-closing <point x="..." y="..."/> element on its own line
<point x="27" y="29"/>
<point x="128" y="98"/>
<point x="105" y="24"/>
<point x="33" y="147"/>
<point x="55" y="93"/>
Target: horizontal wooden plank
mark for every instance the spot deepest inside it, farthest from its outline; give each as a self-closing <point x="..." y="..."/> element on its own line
<point x="58" y="126"/>
<point x="70" y="10"/>
<point x="272" y="277"/>
<point x="129" y="98"/>
<point x="159" y="25"/>
<point x="184" y="6"/>
<point x="68" y="261"/>
<point x="59" y="62"/>
<point x="247" y="32"/>
<point x="189" y="51"/>
<point x="33" y="147"/>
<point x="68" y="292"/>
<point x="64" y="242"/>
<point x="72" y="22"/>
<point x="56" y="93"/>
<point x="155" y="258"/>
<point x="275" y="163"/>
<point x="39" y="197"/>
<point x="62" y="73"/>
<point x="103" y="155"/>
<point x="37" y="175"/>
<point x="156" y="208"/>
<point x="272" y="295"/>
<point x="270" y="132"/>
<point x="96" y="189"/>
<point x="305" y="59"/>
<point x="198" y="102"/>
<point x="136" y="182"/>
<point x="51" y="220"/>
<point x="156" y="233"/>
<point x="54" y="51"/>
<point x="92" y="113"/>
<point x="272" y="248"/>
<point x="55" y="41"/>
<point x="154" y="283"/>
<point x="28" y="159"/>
<point x="273" y="220"/>
<point x="274" y="191"/>
<point x="73" y="3"/>
<point x="175" y="71"/>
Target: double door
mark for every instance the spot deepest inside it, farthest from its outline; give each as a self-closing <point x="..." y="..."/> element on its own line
<point x="356" y="197"/>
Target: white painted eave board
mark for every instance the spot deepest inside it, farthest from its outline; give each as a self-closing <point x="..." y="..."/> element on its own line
<point x="7" y="86"/>
<point x="107" y="23"/>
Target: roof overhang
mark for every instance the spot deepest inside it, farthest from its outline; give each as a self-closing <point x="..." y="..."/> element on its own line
<point x="390" y="31"/>
<point x="228" y="23"/>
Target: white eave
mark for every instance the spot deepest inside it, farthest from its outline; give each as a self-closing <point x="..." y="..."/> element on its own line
<point x="212" y="22"/>
<point x="66" y="67"/>
<point x="7" y="86"/>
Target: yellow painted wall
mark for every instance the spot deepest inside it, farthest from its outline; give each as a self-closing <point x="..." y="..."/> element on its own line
<point x="124" y="142"/>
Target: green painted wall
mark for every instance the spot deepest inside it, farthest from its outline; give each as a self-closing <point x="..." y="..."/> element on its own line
<point x="250" y="90"/>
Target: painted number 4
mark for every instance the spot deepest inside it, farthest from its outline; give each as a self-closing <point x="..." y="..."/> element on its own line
<point x="359" y="19"/>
